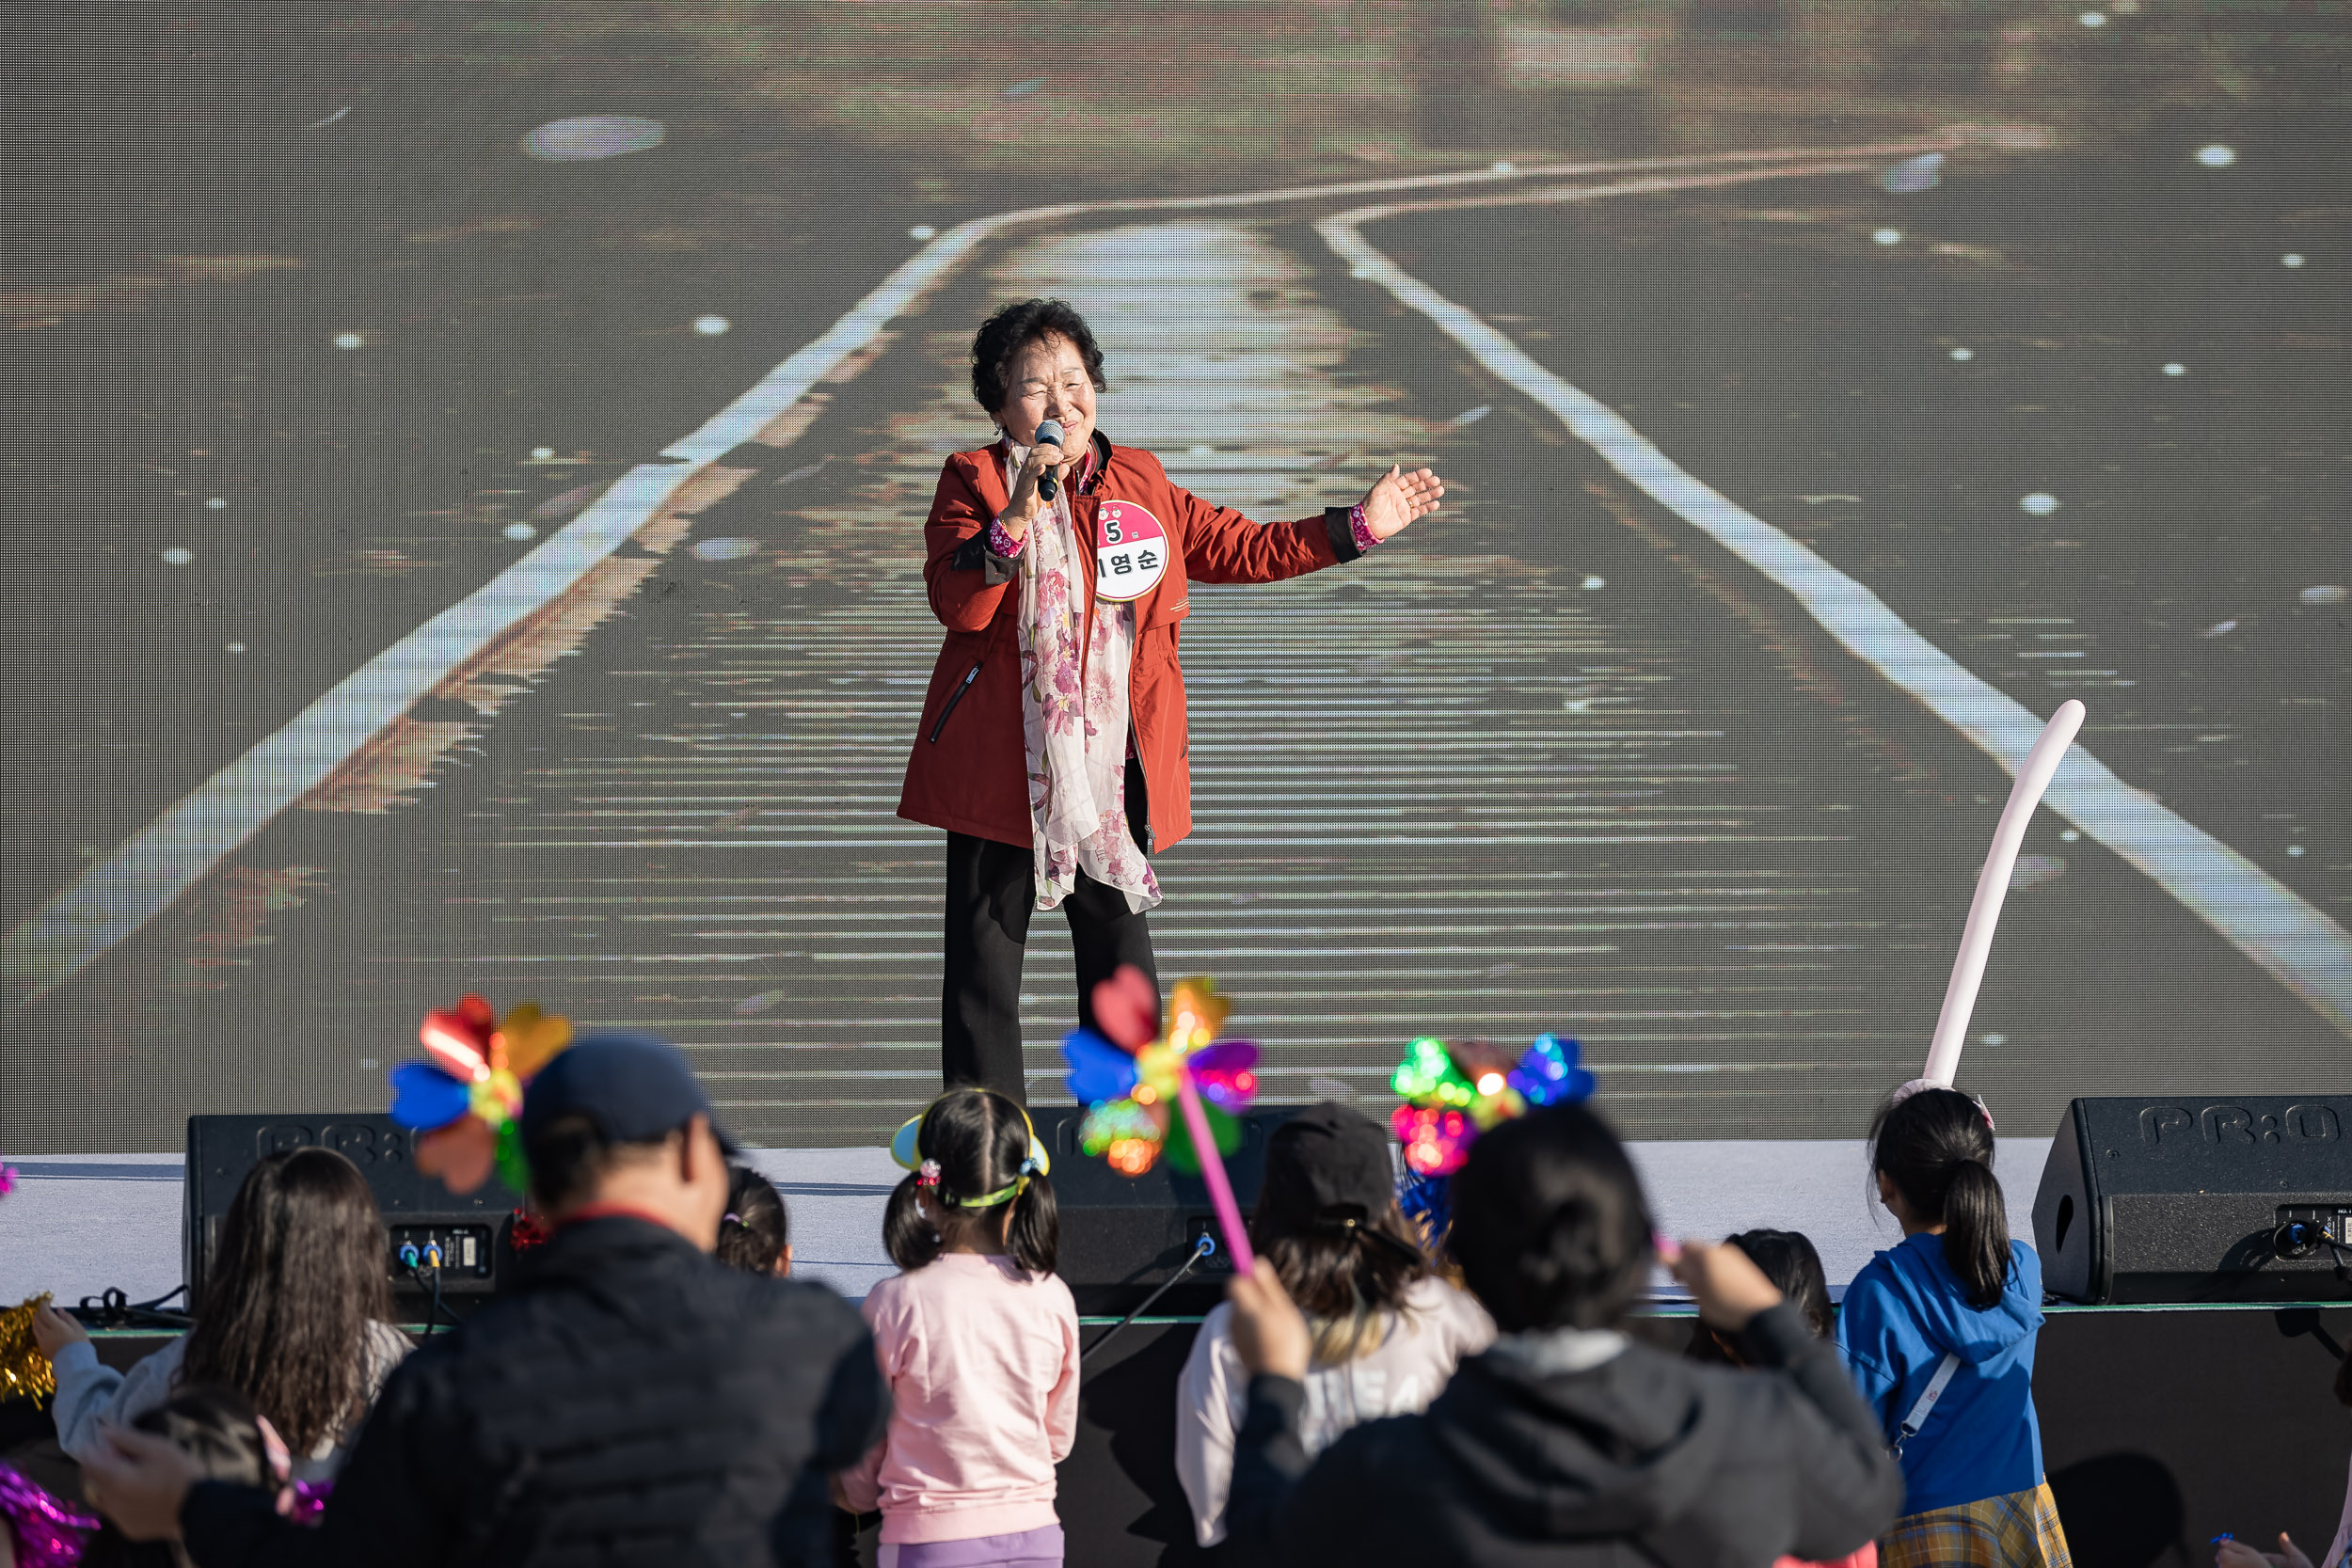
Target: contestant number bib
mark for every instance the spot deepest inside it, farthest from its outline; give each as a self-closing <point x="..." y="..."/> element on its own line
<point x="1130" y="552"/>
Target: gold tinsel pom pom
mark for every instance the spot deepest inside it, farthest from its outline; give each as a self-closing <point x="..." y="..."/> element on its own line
<point x="24" y="1373"/>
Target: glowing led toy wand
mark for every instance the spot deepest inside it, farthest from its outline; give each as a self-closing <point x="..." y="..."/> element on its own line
<point x="1976" y="940"/>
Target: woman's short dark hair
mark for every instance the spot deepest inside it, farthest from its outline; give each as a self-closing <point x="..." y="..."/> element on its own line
<point x="1014" y="328"/>
<point x="301" y="1271"/>
<point x="1937" y="1149"/>
<point x="980" y="1138"/>
<point x="1550" y="1224"/>
<point x="753" y="1233"/>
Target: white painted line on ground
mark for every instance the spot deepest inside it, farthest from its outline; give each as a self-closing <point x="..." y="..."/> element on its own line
<point x="2303" y="949"/>
<point x="150" y="870"/>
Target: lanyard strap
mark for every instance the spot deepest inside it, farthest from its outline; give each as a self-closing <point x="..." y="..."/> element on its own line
<point x="1926" y="1403"/>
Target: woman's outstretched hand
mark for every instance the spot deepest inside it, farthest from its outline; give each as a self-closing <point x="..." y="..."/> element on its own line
<point x="1399" y="499"/>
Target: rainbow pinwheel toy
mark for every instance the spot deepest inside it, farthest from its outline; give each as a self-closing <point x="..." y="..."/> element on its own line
<point x="1455" y="1091"/>
<point x="1129" y="1087"/>
<point x="462" y="1101"/>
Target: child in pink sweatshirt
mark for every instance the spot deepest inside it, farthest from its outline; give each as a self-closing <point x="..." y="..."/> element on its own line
<point x="979" y="1343"/>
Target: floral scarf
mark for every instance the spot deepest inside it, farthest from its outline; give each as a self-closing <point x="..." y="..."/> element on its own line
<point x="1073" y="717"/>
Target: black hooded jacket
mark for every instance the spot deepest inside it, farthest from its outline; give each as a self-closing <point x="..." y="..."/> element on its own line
<point x="1644" y="1459"/>
<point x="633" y="1402"/>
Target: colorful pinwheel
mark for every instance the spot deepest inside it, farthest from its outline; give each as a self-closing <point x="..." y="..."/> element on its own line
<point x="462" y="1102"/>
<point x="1453" y="1092"/>
<point x="1129" y="1087"/>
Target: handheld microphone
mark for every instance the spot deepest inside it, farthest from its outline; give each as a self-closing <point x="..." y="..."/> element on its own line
<point x="1048" y="435"/>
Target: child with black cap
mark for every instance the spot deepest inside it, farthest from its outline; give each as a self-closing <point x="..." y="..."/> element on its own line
<point x="1387" y="1330"/>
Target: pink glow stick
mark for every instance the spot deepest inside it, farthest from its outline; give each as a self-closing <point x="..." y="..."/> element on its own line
<point x="1212" y="1172"/>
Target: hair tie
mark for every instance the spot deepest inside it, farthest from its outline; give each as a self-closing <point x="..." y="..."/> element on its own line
<point x="1030" y="1167"/>
<point x="725" y="1219"/>
<point x="1918" y="1085"/>
<point x="926" y="1174"/>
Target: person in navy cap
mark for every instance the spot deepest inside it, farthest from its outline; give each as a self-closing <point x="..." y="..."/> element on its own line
<point x="631" y="1400"/>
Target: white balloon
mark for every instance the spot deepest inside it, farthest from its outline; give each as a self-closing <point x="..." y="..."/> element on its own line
<point x="1985" y="912"/>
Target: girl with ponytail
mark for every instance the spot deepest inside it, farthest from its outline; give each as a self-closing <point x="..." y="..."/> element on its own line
<point x="1939" y="1334"/>
<point x="978" y="1340"/>
<point x="1388" y="1331"/>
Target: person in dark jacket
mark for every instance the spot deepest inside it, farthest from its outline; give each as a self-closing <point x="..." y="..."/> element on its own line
<point x="632" y="1402"/>
<point x="1568" y="1443"/>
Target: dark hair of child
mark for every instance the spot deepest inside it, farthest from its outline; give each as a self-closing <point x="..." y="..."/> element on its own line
<point x="1342" y="1271"/>
<point x="756" y="1230"/>
<point x="979" y="1140"/>
<point x="1790" y="1261"/>
<point x="212" y="1426"/>
<point x="284" y="1316"/>
<point x="1549" y="1224"/>
<point x="1937" y="1152"/>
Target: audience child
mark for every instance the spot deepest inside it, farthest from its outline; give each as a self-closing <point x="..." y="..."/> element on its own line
<point x="630" y="1402"/>
<point x="295" y="1318"/>
<point x="755" y="1234"/>
<point x="1940" y="1332"/>
<point x="1790" y="1261"/>
<point x="216" y="1428"/>
<point x="978" y="1341"/>
<point x="1387" y="1330"/>
<point x="2240" y="1554"/>
<point x="1566" y="1442"/>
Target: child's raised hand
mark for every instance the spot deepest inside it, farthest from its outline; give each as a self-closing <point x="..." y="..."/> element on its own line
<point x="1724" y="1281"/>
<point x="2238" y="1554"/>
<point x="1269" y="1335"/>
<point x="139" y="1480"/>
<point x="54" y="1330"/>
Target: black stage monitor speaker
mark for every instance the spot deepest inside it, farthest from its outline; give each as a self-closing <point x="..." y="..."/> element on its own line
<point x="2199" y="1199"/>
<point x="469" y="1234"/>
<point x="1123" y="1237"/>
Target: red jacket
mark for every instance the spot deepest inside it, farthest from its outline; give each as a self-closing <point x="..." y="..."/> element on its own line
<point x="968" y="773"/>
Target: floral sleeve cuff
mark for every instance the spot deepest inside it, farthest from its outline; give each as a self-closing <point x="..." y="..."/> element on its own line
<point x="1350" y="535"/>
<point x="1004" y="546"/>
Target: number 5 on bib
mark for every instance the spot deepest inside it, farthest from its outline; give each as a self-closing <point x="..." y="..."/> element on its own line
<point x="1130" y="552"/>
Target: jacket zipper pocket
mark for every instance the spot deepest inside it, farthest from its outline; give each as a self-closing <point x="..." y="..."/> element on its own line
<point x="964" y="686"/>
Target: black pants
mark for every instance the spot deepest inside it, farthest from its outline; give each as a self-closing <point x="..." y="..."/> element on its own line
<point x="991" y="892"/>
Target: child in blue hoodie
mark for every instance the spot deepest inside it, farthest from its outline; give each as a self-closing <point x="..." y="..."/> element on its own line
<point x="1939" y="1332"/>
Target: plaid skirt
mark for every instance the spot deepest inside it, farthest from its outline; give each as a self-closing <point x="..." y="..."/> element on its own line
<point x="2020" y="1531"/>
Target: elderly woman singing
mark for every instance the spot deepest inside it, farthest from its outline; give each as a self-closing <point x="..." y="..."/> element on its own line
<point x="1053" y="746"/>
